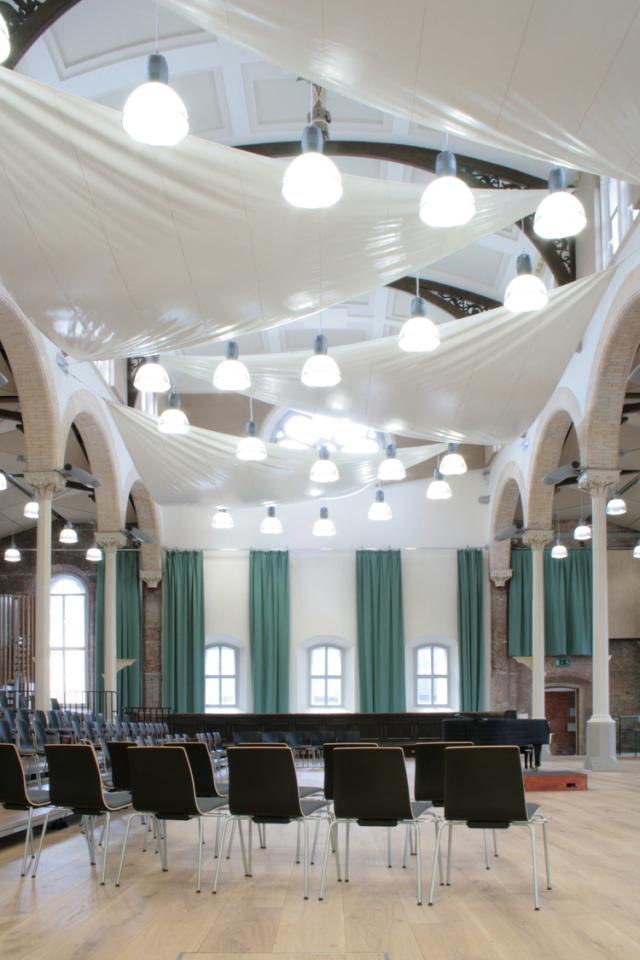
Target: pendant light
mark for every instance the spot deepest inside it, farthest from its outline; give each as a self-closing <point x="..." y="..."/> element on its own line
<point x="379" y="509"/>
<point x="324" y="470"/>
<point x="582" y="531"/>
<point x="94" y="553"/>
<point x="154" y="113"/>
<point x="231" y="374"/>
<point x="636" y="551"/>
<point x="312" y="180"/>
<point x="447" y="201"/>
<point x="320" y="370"/>
<point x="12" y="554"/>
<point x="151" y="377"/>
<point x="418" y="334"/>
<point x="438" y="489"/>
<point x="560" y="214"/>
<point x="324" y="526"/>
<point x="271" y="524"/>
<point x="3" y="481"/>
<point x="5" y="40"/>
<point x="250" y="447"/>
<point x="32" y="510"/>
<point x="616" y="506"/>
<point x="558" y="550"/>
<point x="453" y="463"/>
<point x="68" y="534"/>
<point x="173" y="420"/>
<point x="222" y="519"/>
<point x="525" y="292"/>
<point x="391" y="468"/>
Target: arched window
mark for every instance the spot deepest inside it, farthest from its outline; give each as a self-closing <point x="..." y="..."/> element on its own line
<point x="68" y="633"/>
<point x="220" y="677"/>
<point x="432" y="676"/>
<point x="326" y="674"/>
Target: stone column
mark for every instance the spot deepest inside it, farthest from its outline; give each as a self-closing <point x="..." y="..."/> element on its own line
<point x="536" y="539"/>
<point x="152" y="637"/>
<point x="601" y="729"/>
<point x="44" y="484"/>
<point x="110" y="542"/>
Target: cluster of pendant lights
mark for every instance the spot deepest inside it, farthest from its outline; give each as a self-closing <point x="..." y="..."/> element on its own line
<point x="68" y="536"/>
<point x="616" y="507"/>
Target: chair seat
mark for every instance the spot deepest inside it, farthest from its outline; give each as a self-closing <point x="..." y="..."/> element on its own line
<point x="312" y="806"/>
<point x="308" y="791"/>
<point x="117" y="798"/>
<point x="38" y="797"/>
<point x="531" y="809"/>
<point x="418" y="807"/>
<point x="208" y="804"/>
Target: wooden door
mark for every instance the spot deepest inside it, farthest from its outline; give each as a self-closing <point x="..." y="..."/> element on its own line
<point x="560" y="711"/>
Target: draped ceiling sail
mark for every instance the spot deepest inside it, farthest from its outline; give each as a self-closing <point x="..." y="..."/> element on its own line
<point x="201" y="466"/>
<point x="552" y="80"/>
<point x="485" y="384"/>
<point x="113" y="248"/>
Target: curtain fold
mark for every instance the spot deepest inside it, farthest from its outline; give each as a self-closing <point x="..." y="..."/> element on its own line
<point x="380" y="631"/>
<point x="183" y="631"/>
<point x="269" y="629"/>
<point x="519" y="611"/>
<point x="129" y="628"/>
<point x="471" y="628"/>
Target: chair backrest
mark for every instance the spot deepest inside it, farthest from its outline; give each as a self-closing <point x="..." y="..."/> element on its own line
<point x="484" y="786"/>
<point x="23" y="731"/>
<point x="74" y="777"/>
<point x="327" y="749"/>
<point x="371" y="785"/>
<point x="162" y="782"/>
<point x="263" y="783"/>
<point x="40" y="732"/>
<point x="13" y="788"/>
<point x="52" y="719"/>
<point x="429" y="781"/>
<point x="6" y="733"/>
<point x="201" y="768"/>
<point x="120" y="771"/>
<point x="247" y="736"/>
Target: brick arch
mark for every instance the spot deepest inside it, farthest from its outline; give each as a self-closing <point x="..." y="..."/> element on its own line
<point x="31" y="369"/>
<point x="148" y="520"/>
<point x="561" y="413"/>
<point x="509" y="489"/>
<point x="89" y="415"/>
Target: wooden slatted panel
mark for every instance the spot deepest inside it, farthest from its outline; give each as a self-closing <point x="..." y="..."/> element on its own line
<point x="17" y="645"/>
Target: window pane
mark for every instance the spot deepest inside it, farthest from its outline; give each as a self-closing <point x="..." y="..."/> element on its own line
<point x="227" y="661"/>
<point x="424" y="693"/>
<point x="212" y="692"/>
<point x="57" y="621"/>
<point x="228" y="692"/>
<point x="334" y="661"/>
<point x="74" y="673"/>
<point x="441" y="691"/>
<point x="212" y="661"/>
<point x="68" y="585"/>
<point x="318" y="661"/>
<point x="334" y="693"/>
<point x="424" y="660"/>
<point x="318" y="693"/>
<point x="74" y="626"/>
<point x="56" y="679"/>
<point x="440" y="661"/>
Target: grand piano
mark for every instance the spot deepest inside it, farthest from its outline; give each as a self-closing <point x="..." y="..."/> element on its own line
<point x="529" y="735"/>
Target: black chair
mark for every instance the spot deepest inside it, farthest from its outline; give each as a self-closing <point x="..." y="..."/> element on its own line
<point x="6" y="734"/>
<point x="16" y="795"/>
<point x="163" y="787"/>
<point x="119" y="761"/>
<point x="247" y="736"/>
<point x="371" y="789"/>
<point x="263" y="788"/>
<point x="75" y="783"/>
<point x="26" y="747"/>
<point x="484" y="789"/>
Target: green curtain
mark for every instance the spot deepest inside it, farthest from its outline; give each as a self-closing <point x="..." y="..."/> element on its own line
<point x="269" y="629"/>
<point x="471" y="628"/>
<point x="129" y="628"/>
<point x="183" y="631"/>
<point x="380" y="631"/>
<point x="98" y="646"/>
<point x="567" y="604"/>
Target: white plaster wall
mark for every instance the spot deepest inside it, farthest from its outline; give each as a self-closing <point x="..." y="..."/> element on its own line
<point x="226" y="613"/>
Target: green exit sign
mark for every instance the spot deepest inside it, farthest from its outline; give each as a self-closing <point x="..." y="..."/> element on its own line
<point x="563" y="661"/>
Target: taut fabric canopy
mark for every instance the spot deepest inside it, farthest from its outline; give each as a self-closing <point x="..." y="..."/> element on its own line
<point x="486" y="383"/>
<point x="550" y="79"/>
<point x="201" y="466"/>
<point x="113" y="248"/>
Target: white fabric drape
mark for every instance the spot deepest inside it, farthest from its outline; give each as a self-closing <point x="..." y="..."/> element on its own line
<point x="113" y="248"/>
<point x="486" y="383"/>
<point x="201" y="466"/>
<point x="556" y="80"/>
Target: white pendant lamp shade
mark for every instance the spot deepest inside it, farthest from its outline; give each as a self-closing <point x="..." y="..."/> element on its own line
<point x="320" y="370"/>
<point x="173" y="420"/>
<point x="636" y="551"/>
<point x="391" y="468"/>
<point x="94" y="554"/>
<point x="438" y="489"/>
<point x="68" y="534"/>
<point x="251" y="447"/>
<point x="324" y="470"/>
<point x="3" y="481"/>
<point x="151" y="377"/>
<point x="560" y="214"/>
<point x="559" y="551"/>
<point x="582" y="531"/>
<point x="447" y="201"/>
<point x="271" y="524"/>
<point x="379" y="509"/>
<point x="616" y="506"/>
<point x="453" y="463"/>
<point x="5" y="40"/>
<point x="222" y="519"/>
<point x="12" y="554"/>
<point x="312" y="181"/>
<point x="324" y="526"/>
<point x="418" y="334"/>
<point x="32" y="510"/>
<point x="154" y="113"/>
<point x="526" y="291"/>
<point x="231" y="373"/>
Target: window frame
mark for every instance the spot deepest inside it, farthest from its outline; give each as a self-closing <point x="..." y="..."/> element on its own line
<point x="432" y="677"/>
<point x="326" y="676"/>
<point x="63" y="648"/>
<point x="211" y="707"/>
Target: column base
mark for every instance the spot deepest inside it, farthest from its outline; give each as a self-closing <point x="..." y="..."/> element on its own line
<point x="601" y="744"/>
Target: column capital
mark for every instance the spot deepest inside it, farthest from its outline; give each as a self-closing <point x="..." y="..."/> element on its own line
<point x="499" y="578"/>
<point x="536" y="539"/>
<point x="110" y="542"/>
<point x="151" y="577"/>
<point x="45" y="482"/>
<point x="598" y="480"/>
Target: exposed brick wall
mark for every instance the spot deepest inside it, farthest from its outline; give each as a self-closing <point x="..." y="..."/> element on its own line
<point x="152" y="645"/>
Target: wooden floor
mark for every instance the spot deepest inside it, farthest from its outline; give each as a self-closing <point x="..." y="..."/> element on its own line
<point x="592" y="913"/>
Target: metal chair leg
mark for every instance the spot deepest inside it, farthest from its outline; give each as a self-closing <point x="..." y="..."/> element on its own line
<point x="262" y="834"/>
<point x="440" y="825"/>
<point x="40" y="845"/>
<point x="243" y="850"/>
<point x="231" y="836"/>
<point x="216" y="851"/>
<point x="440" y="867"/>
<point x="547" y="862"/>
<point x="405" y="851"/>
<point x="325" y="858"/>
<point x="200" y="842"/>
<point x="418" y="863"/>
<point x="346" y="851"/>
<point x="104" y="826"/>
<point x="162" y="833"/>
<point x="305" y="827"/>
<point x="534" y="867"/>
<point x="485" y="845"/>
<point x="495" y="843"/>
<point x="315" y="841"/>
<point x="105" y="848"/>
<point x="227" y="821"/>
<point x="389" y="847"/>
<point x="28" y="843"/>
<point x="298" y="842"/>
<point x="124" y="847"/>
<point x="250" y="849"/>
<point x="449" y="854"/>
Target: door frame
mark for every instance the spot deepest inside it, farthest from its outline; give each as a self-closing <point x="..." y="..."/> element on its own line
<point x="578" y="692"/>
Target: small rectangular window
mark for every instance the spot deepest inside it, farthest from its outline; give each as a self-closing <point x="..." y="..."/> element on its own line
<point x="221" y="677"/>
<point x="432" y="676"/>
<point x="326" y="676"/>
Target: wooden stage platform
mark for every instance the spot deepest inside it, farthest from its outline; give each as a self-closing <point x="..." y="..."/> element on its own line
<point x="539" y="780"/>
